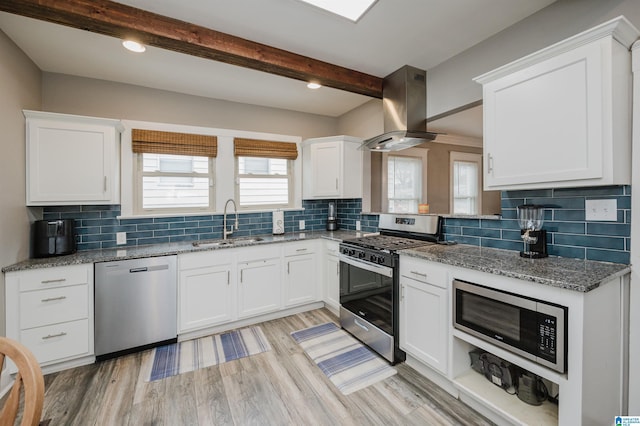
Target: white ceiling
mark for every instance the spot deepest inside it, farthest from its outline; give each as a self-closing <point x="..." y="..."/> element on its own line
<point x="393" y="33"/>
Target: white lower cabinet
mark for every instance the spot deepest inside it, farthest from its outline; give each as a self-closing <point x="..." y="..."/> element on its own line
<point x="299" y="272"/>
<point x="50" y="311"/>
<point x="207" y="284"/>
<point x="332" y="276"/>
<point x="424" y="312"/>
<point x="259" y="281"/>
<point x="221" y="289"/>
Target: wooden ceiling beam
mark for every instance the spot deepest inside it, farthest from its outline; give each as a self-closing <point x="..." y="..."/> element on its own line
<point x="122" y="21"/>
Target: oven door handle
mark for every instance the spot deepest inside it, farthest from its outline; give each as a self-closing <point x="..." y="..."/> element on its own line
<point x="367" y="266"/>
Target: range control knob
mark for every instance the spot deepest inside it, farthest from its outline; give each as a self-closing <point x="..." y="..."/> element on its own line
<point x="373" y="258"/>
<point x="361" y="255"/>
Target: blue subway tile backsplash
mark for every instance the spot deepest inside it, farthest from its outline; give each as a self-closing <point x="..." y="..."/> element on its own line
<point x="568" y="233"/>
<point x="97" y="226"/>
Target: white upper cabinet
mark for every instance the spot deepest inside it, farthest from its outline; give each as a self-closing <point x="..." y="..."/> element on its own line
<point x="332" y="168"/>
<point x="561" y="117"/>
<point x="72" y="159"/>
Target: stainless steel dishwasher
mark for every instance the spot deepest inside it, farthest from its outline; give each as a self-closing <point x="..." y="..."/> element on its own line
<point x="135" y="305"/>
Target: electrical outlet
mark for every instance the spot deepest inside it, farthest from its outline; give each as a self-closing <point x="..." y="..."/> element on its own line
<point x="357" y="225"/>
<point x="121" y="238"/>
<point x="601" y="210"/>
<point x="301" y="225"/>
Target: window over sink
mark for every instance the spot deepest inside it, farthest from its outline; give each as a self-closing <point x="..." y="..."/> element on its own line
<point x="181" y="170"/>
<point x="264" y="176"/>
<point x="170" y="182"/>
<point x="174" y="172"/>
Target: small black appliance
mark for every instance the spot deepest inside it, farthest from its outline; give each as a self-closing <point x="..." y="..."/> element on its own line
<point x="531" y="389"/>
<point x="530" y="219"/>
<point x="332" y="219"/>
<point x="54" y="237"/>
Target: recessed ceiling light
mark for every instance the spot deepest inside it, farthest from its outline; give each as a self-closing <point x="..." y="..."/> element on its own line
<point x="134" y="46"/>
<point x="314" y="85"/>
<point x="352" y="9"/>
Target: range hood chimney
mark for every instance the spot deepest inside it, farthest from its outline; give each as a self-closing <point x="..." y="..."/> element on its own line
<point x="404" y="103"/>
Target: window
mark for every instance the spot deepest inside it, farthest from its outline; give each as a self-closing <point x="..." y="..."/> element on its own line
<point x="174" y="171"/>
<point x="465" y="183"/>
<point x="176" y="182"/>
<point x="404" y="184"/>
<point x="264" y="176"/>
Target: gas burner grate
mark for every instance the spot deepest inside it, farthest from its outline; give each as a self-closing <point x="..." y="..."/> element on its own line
<point x="386" y="242"/>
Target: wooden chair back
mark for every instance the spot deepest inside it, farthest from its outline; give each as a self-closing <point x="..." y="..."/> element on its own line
<point x="29" y="378"/>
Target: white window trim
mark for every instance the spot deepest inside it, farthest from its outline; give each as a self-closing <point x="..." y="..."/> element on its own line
<point x="471" y="158"/>
<point x="138" y="209"/>
<point x="290" y="177"/>
<point x="224" y="166"/>
<point x="409" y="152"/>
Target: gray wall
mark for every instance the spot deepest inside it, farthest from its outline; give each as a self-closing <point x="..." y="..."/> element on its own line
<point x="20" y="88"/>
<point x="84" y="96"/>
<point x="450" y="85"/>
<point x="364" y="122"/>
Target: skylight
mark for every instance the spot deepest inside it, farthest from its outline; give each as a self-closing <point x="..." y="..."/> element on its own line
<point x="352" y="9"/>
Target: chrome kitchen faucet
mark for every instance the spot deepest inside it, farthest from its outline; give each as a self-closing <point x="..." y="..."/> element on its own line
<point x="224" y="220"/>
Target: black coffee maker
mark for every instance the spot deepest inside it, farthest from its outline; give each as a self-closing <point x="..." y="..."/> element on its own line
<point x="530" y="219"/>
<point x="54" y="237"/>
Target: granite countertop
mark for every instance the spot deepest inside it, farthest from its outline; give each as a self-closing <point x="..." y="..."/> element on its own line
<point x="166" y="249"/>
<point x="573" y="274"/>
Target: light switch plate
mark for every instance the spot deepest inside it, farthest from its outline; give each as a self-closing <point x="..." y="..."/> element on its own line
<point x="121" y="238"/>
<point x="601" y="210"/>
<point x="301" y="225"/>
<point x="357" y="225"/>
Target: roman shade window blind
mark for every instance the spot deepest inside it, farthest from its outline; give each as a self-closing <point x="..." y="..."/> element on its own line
<point x="264" y="149"/>
<point x="264" y="176"/>
<point x="158" y="142"/>
<point x="175" y="171"/>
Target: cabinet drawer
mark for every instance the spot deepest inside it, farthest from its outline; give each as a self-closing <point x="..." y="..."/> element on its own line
<point x="333" y="248"/>
<point x="54" y="277"/>
<point x="52" y="306"/>
<point x="56" y="342"/>
<point x="263" y="252"/>
<point x="205" y="259"/>
<point x="297" y="248"/>
<point x="424" y="271"/>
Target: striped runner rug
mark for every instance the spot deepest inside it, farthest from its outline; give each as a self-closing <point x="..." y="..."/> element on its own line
<point x="190" y="355"/>
<point x="349" y="364"/>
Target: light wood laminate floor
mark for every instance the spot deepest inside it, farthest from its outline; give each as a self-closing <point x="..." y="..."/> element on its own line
<point x="278" y="387"/>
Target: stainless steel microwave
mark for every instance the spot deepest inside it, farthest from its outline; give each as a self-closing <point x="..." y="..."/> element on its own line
<point x="531" y="328"/>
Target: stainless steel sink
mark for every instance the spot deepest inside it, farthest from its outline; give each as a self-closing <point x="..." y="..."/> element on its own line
<point x="227" y="243"/>
<point x="248" y="240"/>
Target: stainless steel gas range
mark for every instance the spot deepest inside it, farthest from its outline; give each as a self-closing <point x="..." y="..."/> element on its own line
<point x="369" y="279"/>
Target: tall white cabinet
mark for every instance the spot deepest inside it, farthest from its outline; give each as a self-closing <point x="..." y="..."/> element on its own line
<point x="561" y="117"/>
<point x="72" y="159"/>
<point x="332" y="168"/>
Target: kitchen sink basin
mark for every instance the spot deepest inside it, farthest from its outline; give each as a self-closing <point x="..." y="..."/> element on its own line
<point x="227" y="243"/>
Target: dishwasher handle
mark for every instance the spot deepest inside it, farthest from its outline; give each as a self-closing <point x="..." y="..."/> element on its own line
<point x="148" y="268"/>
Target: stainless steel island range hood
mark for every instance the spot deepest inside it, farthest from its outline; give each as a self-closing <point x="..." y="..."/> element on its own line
<point x="404" y="103"/>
